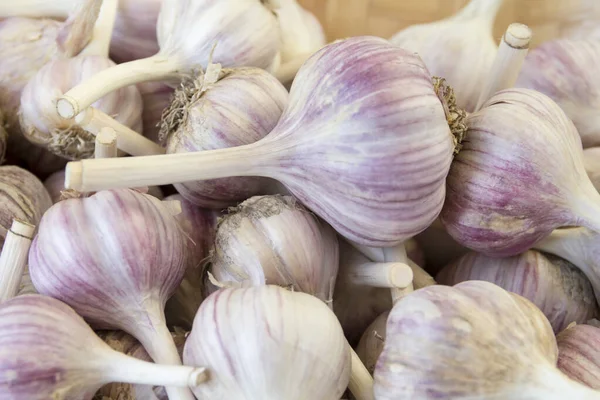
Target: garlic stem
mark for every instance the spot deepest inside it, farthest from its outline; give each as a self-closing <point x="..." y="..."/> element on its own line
<point x="399" y="294"/>
<point x="155" y="68"/>
<point x="361" y="381"/>
<point x="159" y="344"/>
<point x="106" y="143"/>
<point x="126" y="172"/>
<point x="128" y="140"/>
<point x="14" y="258"/>
<point x="76" y="32"/>
<point x="36" y="8"/>
<point x="483" y="9"/>
<point x="384" y="275"/>
<point x="131" y="370"/>
<point x="287" y="72"/>
<point x="103" y="30"/>
<point x="508" y="62"/>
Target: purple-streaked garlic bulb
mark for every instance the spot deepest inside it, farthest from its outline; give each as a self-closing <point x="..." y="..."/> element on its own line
<point x="554" y="285"/>
<point x="22" y="196"/>
<point x="220" y="109"/>
<point x="268" y="343"/>
<point x="356" y="306"/>
<point x="41" y="125"/>
<point x="156" y="97"/>
<point x="438" y="247"/>
<point x="371" y="343"/>
<point x="115" y="257"/>
<point x="364" y="143"/>
<point x="562" y="70"/>
<point x="578" y="354"/>
<point x="519" y="175"/>
<point x="473" y="340"/>
<point x="49" y="352"/>
<point x="460" y="48"/>
<point x="591" y="162"/>
<point x="191" y="35"/>
<point x="55" y="184"/>
<point x="200" y="226"/>
<point x="128" y="345"/>
<point x="274" y="240"/>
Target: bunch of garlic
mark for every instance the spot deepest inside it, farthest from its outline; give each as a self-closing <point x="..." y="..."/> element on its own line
<point x="460" y="48"/>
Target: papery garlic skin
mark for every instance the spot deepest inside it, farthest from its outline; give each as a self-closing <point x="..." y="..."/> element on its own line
<point x="518" y="176"/>
<point x="22" y="196"/>
<point x="41" y="124"/>
<point x="241" y="108"/>
<point x="366" y="74"/>
<point x="91" y="236"/>
<point x="451" y="47"/>
<point x="134" y="35"/>
<point x="371" y="343"/>
<point x="591" y="161"/>
<point x="301" y="31"/>
<point x="242" y="32"/>
<point x="200" y="226"/>
<point x="274" y="240"/>
<point x="564" y="71"/>
<point x="578" y="355"/>
<point x="561" y="291"/>
<point x="294" y="337"/>
<point x="472" y="340"/>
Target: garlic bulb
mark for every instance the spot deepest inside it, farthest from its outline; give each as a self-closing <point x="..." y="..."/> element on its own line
<point x="156" y="97"/>
<point x="371" y="343"/>
<point x="49" y="352"/>
<point x="356" y="306"/>
<point x="38" y="118"/>
<point x="126" y="344"/>
<point x="200" y="226"/>
<point x="474" y="340"/>
<point x="268" y="343"/>
<point x="397" y="121"/>
<point x="115" y="257"/>
<point x="460" y="48"/>
<point x="22" y="196"/>
<point x="274" y="240"/>
<point x="554" y="285"/>
<point x="562" y="70"/>
<point x="223" y="109"/>
<point x="591" y="162"/>
<point x="191" y="34"/>
<point x="579" y="20"/>
<point x="518" y="176"/>
<point x="55" y="184"/>
<point x="578" y="355"/>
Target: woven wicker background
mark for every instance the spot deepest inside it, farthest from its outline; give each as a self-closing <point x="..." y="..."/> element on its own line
<point x="343" y="18"/>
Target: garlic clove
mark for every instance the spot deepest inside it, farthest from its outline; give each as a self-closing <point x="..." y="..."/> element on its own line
<point x="554" y="285"/>
<point x="38" y="118"/>
<point x="371" y="342"/>
<point x="443" y="342"/>
<point x="294" y="337"/>
<point x="50" y="352"/>
<point x="274" y="240"/>
<point x="450" y="47"/>
<point x="518" y="176"/>
<point x="563" y="70"/>
<point x="115" y="257"/>
<point x="578" y="356"/>
<point x="200" y="226"/>
<point x="228" y="109"/>
<point x="247" y="34"/>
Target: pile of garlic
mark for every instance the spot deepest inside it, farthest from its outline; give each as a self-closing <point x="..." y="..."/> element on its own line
<point x="368" y="219"/>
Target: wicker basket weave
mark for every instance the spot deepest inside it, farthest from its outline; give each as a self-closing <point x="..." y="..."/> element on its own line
<point x="343" y="18"/>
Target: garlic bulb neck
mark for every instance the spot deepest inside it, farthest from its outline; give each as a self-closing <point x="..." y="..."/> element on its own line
<point x="455" y="116"/>
<point x="479" y="9"/>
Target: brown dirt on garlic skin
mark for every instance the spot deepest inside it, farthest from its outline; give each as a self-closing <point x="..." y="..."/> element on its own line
<point x="454" y="115"/>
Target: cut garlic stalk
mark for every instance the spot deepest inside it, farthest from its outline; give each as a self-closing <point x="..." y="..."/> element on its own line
<point x="14" y="258"/>
<point x="508" y="62"/>
<point x="385" y="275"/>
<point x="106" y="143"/>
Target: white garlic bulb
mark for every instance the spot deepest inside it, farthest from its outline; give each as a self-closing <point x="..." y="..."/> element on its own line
<point x="267" y="343"/>
<point x="371" y="343"/>
<point x="274" y="240"/>
<point x="40" y="123"/>
<point x="301" y="32"/>
<point x="460" y="49"/>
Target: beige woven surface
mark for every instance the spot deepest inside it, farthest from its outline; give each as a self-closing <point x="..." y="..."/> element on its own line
<point x="343" y="18"/>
